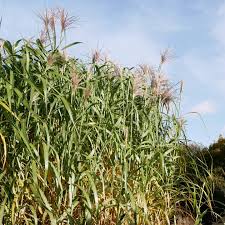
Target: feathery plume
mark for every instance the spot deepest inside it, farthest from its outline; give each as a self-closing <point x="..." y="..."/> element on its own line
<point x="65" y="20"/>
<point x="75" y="80"/>
<point x="96" y="56"/>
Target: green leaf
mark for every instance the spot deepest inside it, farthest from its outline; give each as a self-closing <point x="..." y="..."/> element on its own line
<point x="34" y="172"/>
<point x="72" y="44"/>
<point x="8" y="109"/>
<point x="45" y="201"/>
<point x="2" y="208"/>
<point x="68" y="108"/>
<point x="8" y="47"/>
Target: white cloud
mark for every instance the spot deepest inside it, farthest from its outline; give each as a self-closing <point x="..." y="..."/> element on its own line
<point x="204" y="107"/>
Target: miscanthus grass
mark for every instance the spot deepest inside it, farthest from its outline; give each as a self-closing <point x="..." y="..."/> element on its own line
<point x="90" y="143"/>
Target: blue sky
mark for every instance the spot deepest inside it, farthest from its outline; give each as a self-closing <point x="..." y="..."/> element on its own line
<point x="133" y="32"/>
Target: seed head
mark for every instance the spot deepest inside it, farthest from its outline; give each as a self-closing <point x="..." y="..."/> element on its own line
<point x="45" y="18"/>
<point x="146" y="69"/>
<point x="65" y="20"/>
<point x="96" y="56"/>
<point x="139" y="84"/>
<point x="116" y="70"/>
<point x="87" y="93"/>
<point x="52" y="19"/>
<point x="166" y="55"/>
<point x="50" y="60"/>
<point x="43" y="36"/>
<point x="75" y="80"/>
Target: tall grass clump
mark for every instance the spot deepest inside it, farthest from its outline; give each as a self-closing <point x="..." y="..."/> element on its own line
<point x="91" y="143"/>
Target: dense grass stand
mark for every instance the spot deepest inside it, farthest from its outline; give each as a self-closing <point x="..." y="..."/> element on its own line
<point x="91" y="143"/>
